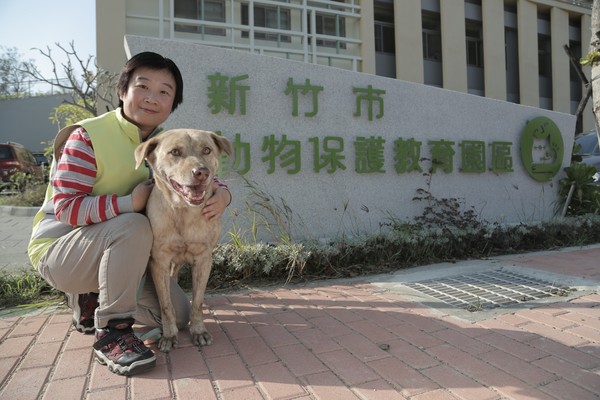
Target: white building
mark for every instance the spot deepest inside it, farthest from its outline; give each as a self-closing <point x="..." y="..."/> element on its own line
<point x="510" y="50"/>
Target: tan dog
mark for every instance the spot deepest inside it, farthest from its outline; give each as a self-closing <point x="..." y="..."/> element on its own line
<point x="184" y="163"/>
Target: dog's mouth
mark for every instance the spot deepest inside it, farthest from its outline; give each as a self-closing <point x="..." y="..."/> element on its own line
<point x="193" y="194"/>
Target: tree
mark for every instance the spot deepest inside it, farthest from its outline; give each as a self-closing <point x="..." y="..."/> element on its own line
<point x="86" y="83"/>
<point x="13" y="78"/>
<point x="593" y="58"/>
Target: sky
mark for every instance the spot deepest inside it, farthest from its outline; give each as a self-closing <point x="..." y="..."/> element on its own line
<point x="26" y="24"/>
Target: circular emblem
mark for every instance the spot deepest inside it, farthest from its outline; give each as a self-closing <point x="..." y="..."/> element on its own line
<point x="542" y="149"/>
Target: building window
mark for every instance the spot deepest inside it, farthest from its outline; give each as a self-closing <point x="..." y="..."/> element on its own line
<point x="274" y="17"/>
<point x="432" y="37"/>
<point x="474" y="45"/>
<point x="544" y="56"/>
<point x="385" y="41"/>
<point x="202" y="10"/>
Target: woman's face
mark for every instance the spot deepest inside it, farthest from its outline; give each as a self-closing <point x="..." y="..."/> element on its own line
<point x="149" y="97"/>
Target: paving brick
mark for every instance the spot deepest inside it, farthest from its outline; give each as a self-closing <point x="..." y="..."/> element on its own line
<point x="546" y="319"/>
<point x="331" y="326"/>
<point x="194" y="387"/>
<point x="566" y="390"/>
<point x="326" y="385"/>
<point x="73" y="363"/>
<point x="277" y="382"/>
<point x="511" y="387"/>
<point x="459" y="384"/>
<point x="65" y="389"/>
<point x="377" y="390"/>
<point x="101" y="378"/>
<point x="242" y="393"/>
<point x="29" y="326"/>
<point x="7" y="364"/>
<point x="15" y="346"/>
<point x="300" y="360"/>
<point x="501" y="327"/>
<point x="316" y="341"/>
<point x="586" y="379"/>
<point x="415" y="336"/>
<point x="412" y="355"/>
<point x="25" y="384"/>
<point x="113" y="394"/>
<point x="563" y="337"/>
<point x="54" y="332"/>
<point x="238" y="329"/>
<point x="229" y="372"/>
<point x="41" y="355"/>
<point x="187" y="362"/>
<point x="514" y="347"/>
<point x="468" y="344"/>
<point x="462" y="361"/>
<point x="582" y="319"/>
<point x="361" y="347"/>
<point x="438" y="394"/>
<point x="221" y="345"/>
<point x="571" y="354"/>
<point x="153" y="384"/>
<point x="292" y="321"/>
<point x="519" y="368"/>
<point x="585" y="332"/>
<point x="255" y="351"/>
<point x="372" y="331"/>
<point x="349" y="368"/>
<point x="276" y="335"/>
<point x="78" y="340"/>
<point x="403" y="376"/>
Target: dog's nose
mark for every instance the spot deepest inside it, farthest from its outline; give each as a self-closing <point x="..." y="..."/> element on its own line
<point x="200" y="172"/>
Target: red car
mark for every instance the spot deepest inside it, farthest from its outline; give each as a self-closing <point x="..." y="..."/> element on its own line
<point x="13" y="158"/>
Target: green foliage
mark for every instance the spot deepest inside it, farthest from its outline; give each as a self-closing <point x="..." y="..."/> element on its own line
<point x="68" y="114"/>
<point x="590" y="58"/>
<point x="25" y="287"/>
<point x="579" y="190"/>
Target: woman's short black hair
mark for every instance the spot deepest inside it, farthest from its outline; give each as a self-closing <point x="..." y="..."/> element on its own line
<point x="148" y="59"/>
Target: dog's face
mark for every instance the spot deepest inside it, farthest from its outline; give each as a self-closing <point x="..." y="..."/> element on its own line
<point x="184" y="162"/>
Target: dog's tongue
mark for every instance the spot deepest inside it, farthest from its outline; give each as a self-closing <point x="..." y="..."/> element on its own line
<point x="195" y="194"/>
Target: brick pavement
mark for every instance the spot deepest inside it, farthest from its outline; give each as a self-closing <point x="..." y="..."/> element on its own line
<point x="336" y="340"/>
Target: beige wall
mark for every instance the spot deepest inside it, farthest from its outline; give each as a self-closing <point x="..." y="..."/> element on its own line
<point x="409" y="40"/>
<point x="367" y="35"/>
<point x="492" y="14"/>
<point x="561" y="82"/>
<point x="529" y="85"/>
<point x="454" y="53"/>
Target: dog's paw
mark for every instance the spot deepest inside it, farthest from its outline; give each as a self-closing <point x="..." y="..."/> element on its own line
<point x="165" y="344"/>
<point x="202" y="339"/>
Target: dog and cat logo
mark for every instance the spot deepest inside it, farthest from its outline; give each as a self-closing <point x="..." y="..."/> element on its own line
<point x="542" y="149"/>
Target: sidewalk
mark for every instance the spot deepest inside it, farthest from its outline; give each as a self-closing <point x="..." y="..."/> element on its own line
<point x="356" y="339"/>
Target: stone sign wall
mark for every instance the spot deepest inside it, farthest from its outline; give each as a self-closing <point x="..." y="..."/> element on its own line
<point x="322" y="152"/>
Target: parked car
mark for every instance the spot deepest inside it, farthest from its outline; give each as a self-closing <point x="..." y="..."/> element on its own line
<point x="41" y="159"/>
<point x="589" y="151"/>
<point x="14" y="158"/>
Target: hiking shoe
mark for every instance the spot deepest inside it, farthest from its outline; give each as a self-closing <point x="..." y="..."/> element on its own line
<point x="121" y="350"/>
<point x="83" y="305"/>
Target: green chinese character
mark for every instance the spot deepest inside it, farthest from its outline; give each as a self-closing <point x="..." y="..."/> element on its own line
<point x="304" y="89"/>
<point x="442" y="155"/>
<point x="501" y="157"/>
<point x="473" y="156"/>
<point x="369" y="95"/>
<point x="333" y="148"/>
<point x="223" y="93"/>
<point x="407" y="155"/>
<point x="369" y="154"/>
<point x="241" y="154"/>
<point x="275" y="149"/>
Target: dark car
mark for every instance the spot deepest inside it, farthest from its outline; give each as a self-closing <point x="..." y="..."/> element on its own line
<point x="41" y="159"/>
<point x="589" y="151"/>
<point x="16" y="158"/>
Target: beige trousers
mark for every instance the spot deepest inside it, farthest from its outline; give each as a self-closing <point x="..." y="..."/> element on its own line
<point x="110" y="258"/>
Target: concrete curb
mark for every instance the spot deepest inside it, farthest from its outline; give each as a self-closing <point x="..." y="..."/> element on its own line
<point x="18" y="211"/>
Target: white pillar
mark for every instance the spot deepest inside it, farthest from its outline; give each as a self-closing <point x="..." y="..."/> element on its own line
<point x="494" y="54"/>
<point x="561" y="82"/>
<point x="408" y="33"/>
<point x="454" y="52"/>
<point x="529" y="84"/>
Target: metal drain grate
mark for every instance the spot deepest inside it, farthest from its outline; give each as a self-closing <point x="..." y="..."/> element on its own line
<point x="487" y="290"/>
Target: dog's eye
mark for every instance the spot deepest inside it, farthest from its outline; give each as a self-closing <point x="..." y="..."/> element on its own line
<point x="206" y="150"/>
<point x="175" y="152"/>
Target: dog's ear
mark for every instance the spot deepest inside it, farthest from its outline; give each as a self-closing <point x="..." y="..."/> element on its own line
<point x="144" y="151"/>
<point x="222" y="143"/>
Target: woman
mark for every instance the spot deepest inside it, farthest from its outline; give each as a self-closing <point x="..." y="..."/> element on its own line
<point x="90" y="238"/>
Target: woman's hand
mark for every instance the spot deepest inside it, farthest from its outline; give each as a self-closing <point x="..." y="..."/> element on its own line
<point x="140" y="195"/>
<point x="216" y="205"/>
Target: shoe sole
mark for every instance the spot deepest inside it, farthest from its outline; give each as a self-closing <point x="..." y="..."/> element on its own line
<point x="127" y="370"/>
